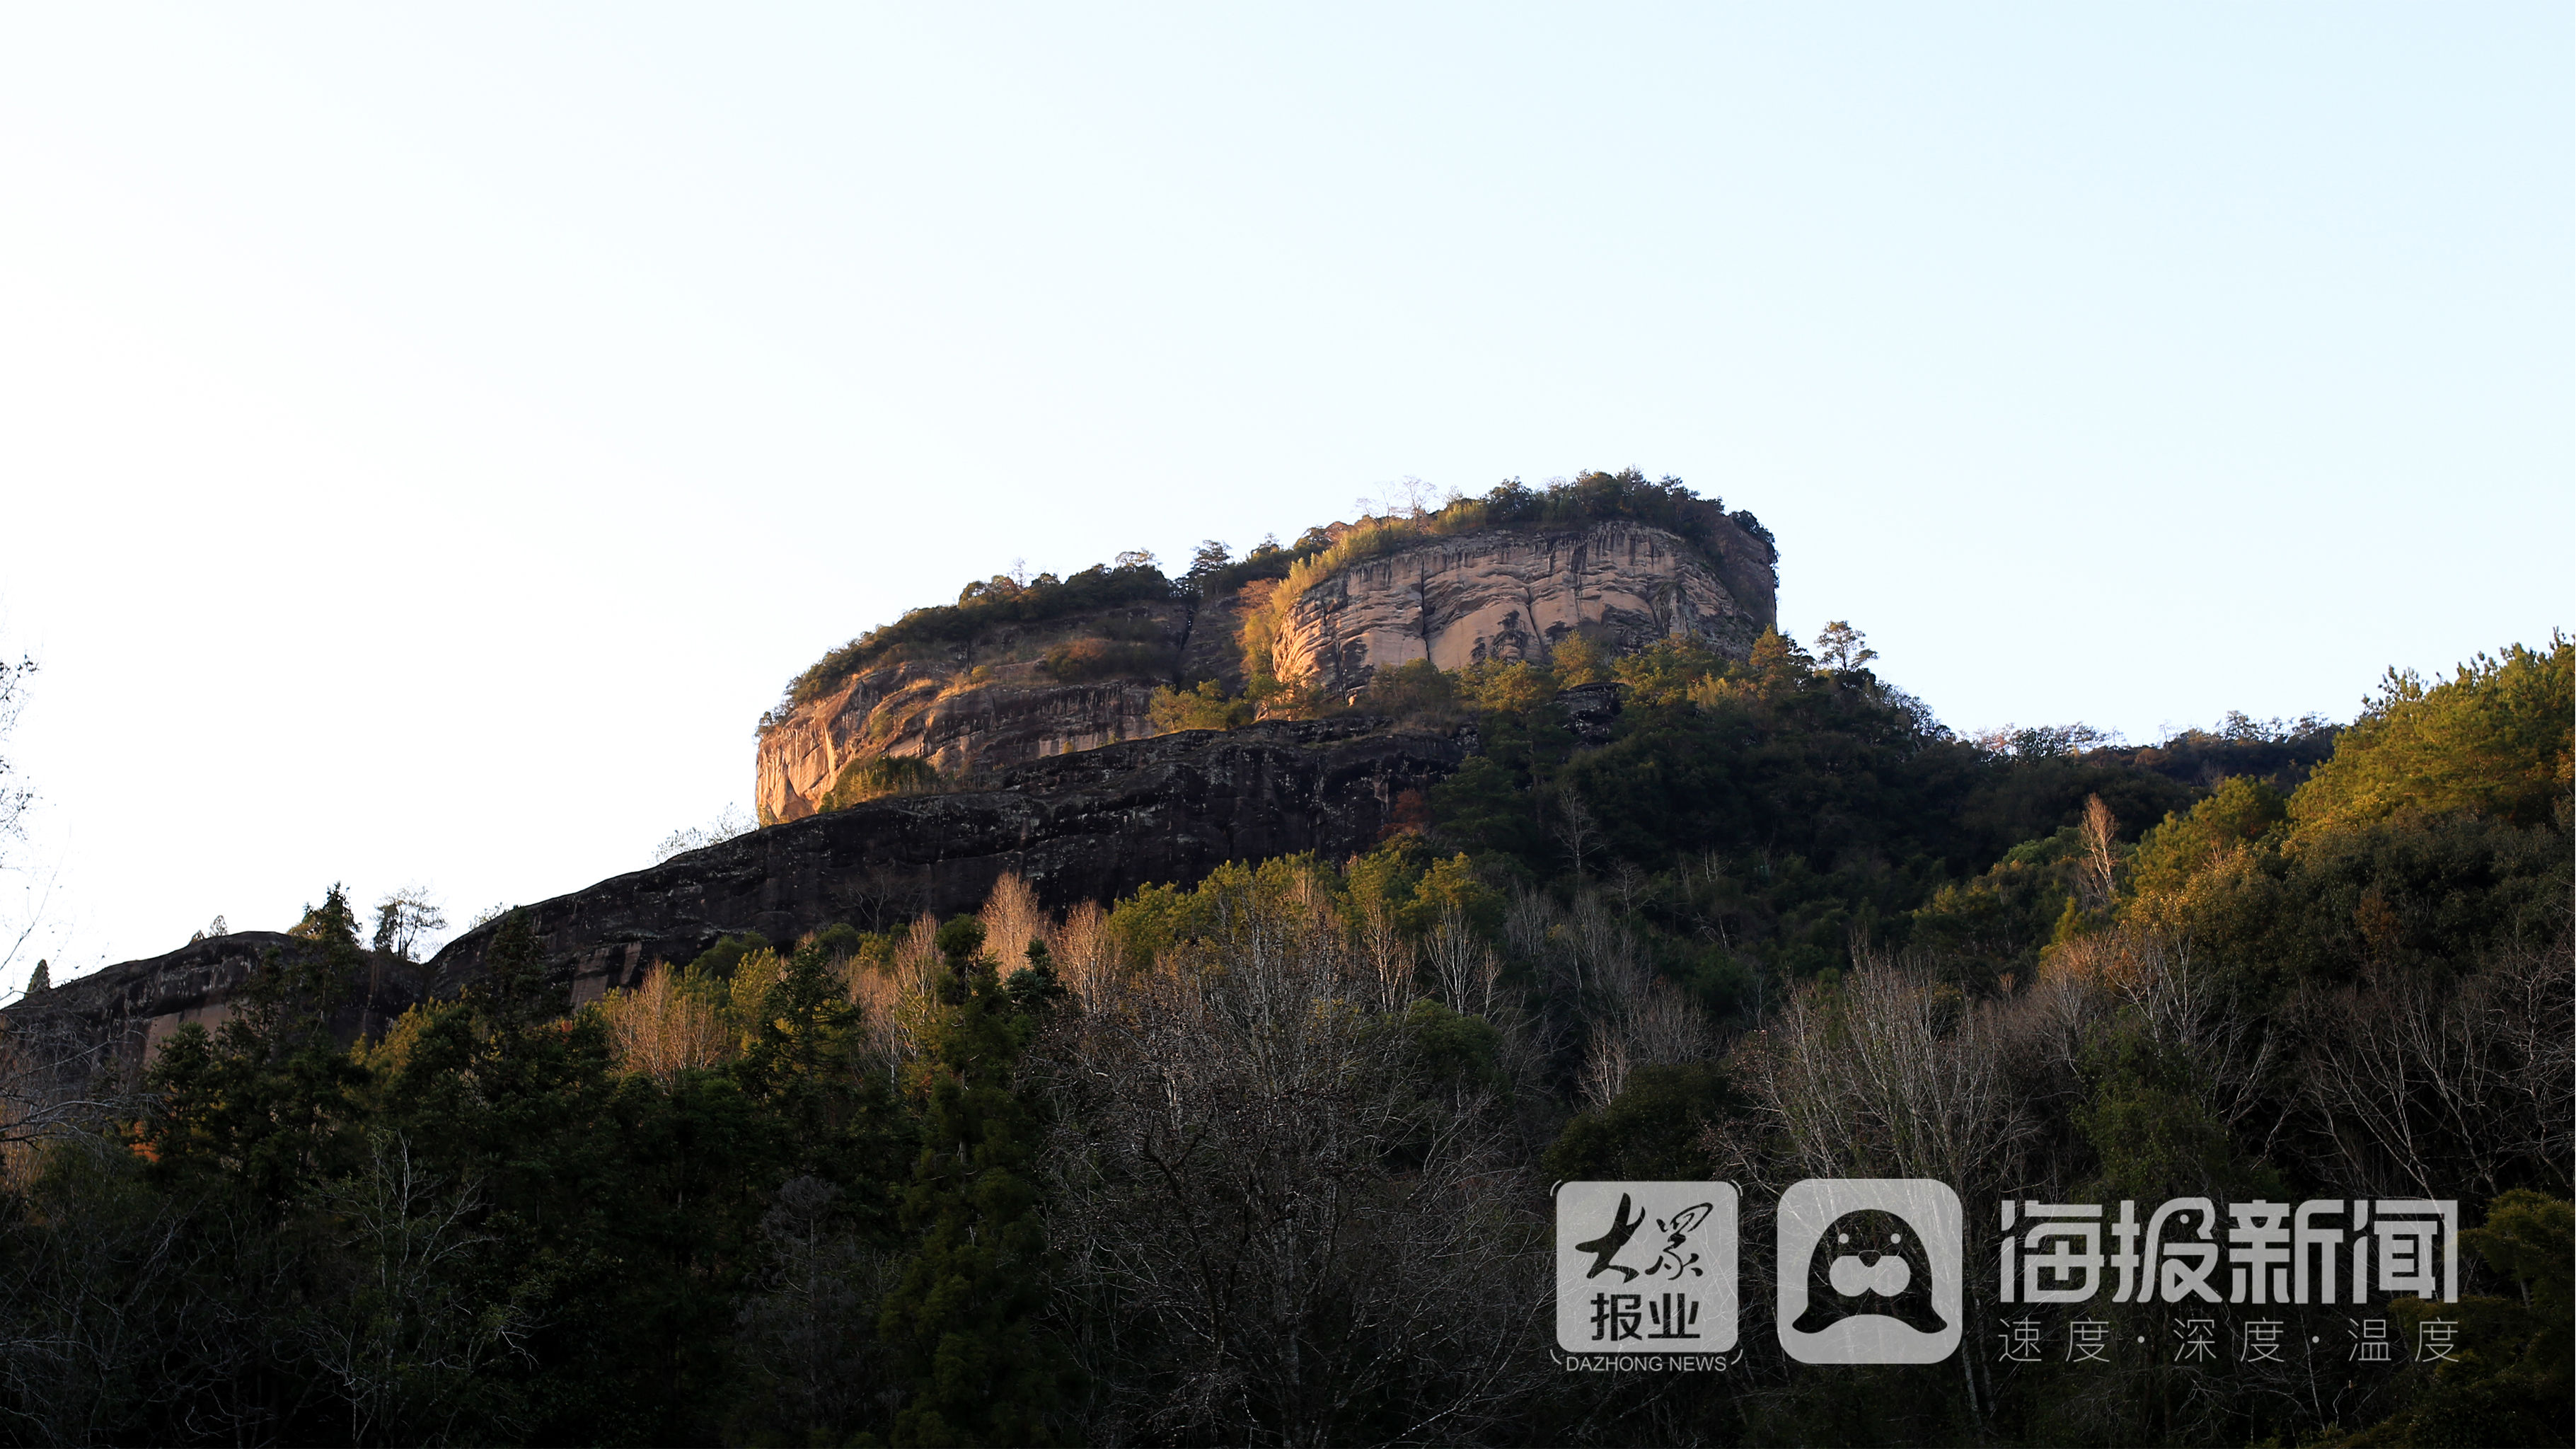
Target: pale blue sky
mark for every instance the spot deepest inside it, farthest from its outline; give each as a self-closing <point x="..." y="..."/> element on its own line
<point x="429" y="437"/>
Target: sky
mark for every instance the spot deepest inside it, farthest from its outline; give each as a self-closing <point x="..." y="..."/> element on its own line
<point x="431" y="435"/>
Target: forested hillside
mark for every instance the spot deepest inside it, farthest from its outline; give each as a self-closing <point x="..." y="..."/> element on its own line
<point x="1266" y="1158"/>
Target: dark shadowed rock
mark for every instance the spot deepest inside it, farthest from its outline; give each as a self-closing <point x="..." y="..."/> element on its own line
<point x="105" y="1025"/>
<point x="1089" y="826"/>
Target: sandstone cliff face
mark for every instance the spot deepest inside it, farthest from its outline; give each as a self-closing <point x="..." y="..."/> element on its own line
<point x="947" y="720"/>
<point x="991" y="702"/>
<point x="1089" y="826"/>
<point x="1513" y="595"/>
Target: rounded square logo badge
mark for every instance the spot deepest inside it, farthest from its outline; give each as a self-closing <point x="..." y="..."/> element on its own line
<point x="1869" y="1270"/>
<point x="1645" y="1267"/>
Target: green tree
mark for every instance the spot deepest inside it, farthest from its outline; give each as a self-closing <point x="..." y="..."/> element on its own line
<point x="963" y="1317"/>
<point x="263" y="1103"/>
<point x="2498" y="739"/>
<point x="1841" y="646"/>
<point x="1203" y="707"/>
<point x="2511" y="1383"/>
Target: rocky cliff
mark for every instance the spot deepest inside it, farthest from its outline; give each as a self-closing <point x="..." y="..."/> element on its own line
<point x="1087" y="826"/>
<point x="978" y="699"/>
<point x="1513" y="594"/>
<point x="1001" y="697"/>
<point x="103" y="1027"/>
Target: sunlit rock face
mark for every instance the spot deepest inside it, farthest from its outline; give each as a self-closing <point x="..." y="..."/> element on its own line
<point x="1005" y="699"/>
<point x="952" y="723"/>
<point x="990" y="703"/>
<point x="1512" y="595"/>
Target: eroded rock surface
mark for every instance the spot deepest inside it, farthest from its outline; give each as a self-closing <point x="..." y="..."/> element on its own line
<point x="1089" y="826"/>
<point x="1510" y="594"/>
<point x="992" y="702"/>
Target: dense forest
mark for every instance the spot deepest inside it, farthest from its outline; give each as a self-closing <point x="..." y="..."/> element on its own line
<point x="1266" y="1158"/>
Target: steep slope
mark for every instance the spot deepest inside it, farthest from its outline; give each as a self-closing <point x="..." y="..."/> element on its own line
<point x="1087" y="826"/>
<point x="1020" y="671"/>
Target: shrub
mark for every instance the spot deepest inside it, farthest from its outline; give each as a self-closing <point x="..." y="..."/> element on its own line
<point x="1417" y="688"/>
<point x="980" y="606"/>
<point x="880" y="775"/>
<point x="1082" y="659"/>
<point x="1203" y="708"/>
<point x="1579" y="660"/>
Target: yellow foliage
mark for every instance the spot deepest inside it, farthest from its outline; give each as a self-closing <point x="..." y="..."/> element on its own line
<point x="663" y="1028"/>
<point x="1265" y="616"/>
<point x="1203" y="708"/>
<point x="1514" y="688"/>
<point x="1578" y="660"/>
<point x="2498" y="739"/>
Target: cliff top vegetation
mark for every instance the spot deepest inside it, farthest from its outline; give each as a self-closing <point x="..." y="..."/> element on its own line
<point x="982" y="604"/>
<point x="1591" y="497"/>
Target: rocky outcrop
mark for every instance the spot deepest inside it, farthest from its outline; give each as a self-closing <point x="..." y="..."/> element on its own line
<point x="1089" y="826"/>
<point x="952" y="722"/>
<point x="1509" y="594"/>
<point x="1019" y="692"/>
<point x="1095" y="826"/>
<point x="103" y="1027"/>
<point x="997" y="700"/>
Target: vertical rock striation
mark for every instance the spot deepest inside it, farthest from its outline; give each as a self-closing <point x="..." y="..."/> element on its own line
<point x="1510" y="594"/>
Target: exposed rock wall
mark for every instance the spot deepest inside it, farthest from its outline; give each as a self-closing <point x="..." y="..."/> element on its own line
<point x="1509" y="595"/>
<point x="955" y="725"/>
<point x="1087" y="826"/>
<point x="995" y="701"/>
<point x="103" y="1027"/>
<point x="991" y="702"/>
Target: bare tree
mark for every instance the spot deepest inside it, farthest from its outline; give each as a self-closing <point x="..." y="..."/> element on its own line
<point x="1273" y="1232"/>
<point x="813" y="1365"/>
<point x="107" y="1320"/>
<point x="404" y="918"/>
<point x="2423" y="1087"/>
<point x="1638" y="1020"/>
<point x="2230" y="1055"/>
<point x="1012" y="919"/>
<point x="1086" y="956"/>
<point x="661" y="1029"/>
<point x="14" y="796"/>
<point x="2097" y="875"/>
<point x="729" y="822"/>
<point x="1890" y="1074"/>
<point x="896" y="1005"/>
<point x="1388" y="955"/>
<point x="407" y="1344"/>
<point x="1575" y="829"/>
<point x="1465" y="971"/>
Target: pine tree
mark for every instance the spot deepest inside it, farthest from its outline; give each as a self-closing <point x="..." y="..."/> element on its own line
<point x="963" y="1316"/>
